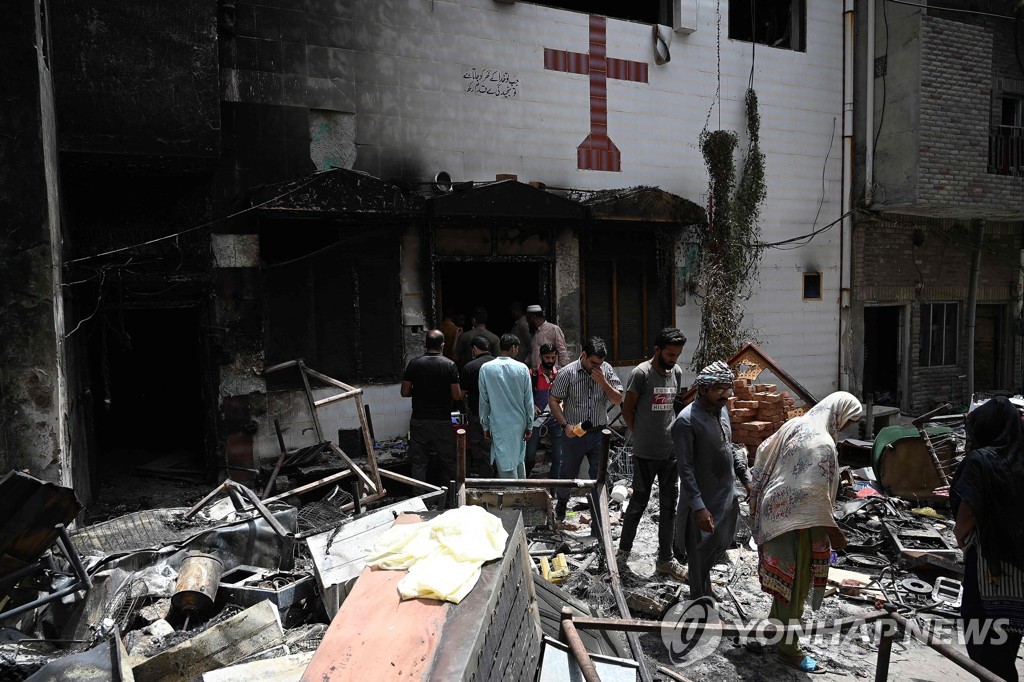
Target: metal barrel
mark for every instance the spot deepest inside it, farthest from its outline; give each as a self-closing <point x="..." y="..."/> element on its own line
<point x="197" y="583"/>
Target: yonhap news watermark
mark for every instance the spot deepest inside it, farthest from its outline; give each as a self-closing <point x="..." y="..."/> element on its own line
<point x="692" y="630"/>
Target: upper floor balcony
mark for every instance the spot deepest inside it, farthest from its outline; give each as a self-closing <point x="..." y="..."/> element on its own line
<point x="948" y="136"/>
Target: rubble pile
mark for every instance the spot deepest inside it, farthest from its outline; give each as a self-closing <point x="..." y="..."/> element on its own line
<point x="284" y="586"/>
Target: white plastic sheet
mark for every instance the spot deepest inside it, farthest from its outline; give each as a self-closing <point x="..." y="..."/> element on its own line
<point x="443" y="555"/>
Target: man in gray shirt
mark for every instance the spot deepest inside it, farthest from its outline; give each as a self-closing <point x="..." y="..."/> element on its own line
<point x="708" y="465"/>
<point x="647" y="410"/>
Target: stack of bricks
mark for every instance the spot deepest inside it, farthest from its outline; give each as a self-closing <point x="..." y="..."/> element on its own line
<point x="757" y="411"/>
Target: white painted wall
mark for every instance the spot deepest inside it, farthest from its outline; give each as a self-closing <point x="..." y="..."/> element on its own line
<point x="414" y="118"/>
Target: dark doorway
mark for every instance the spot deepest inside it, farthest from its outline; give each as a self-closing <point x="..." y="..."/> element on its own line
<point x="882" y="354"/>
<point x="146" y="379"/>
<point x="463" y="286"/>
<point x="988" y="346"/>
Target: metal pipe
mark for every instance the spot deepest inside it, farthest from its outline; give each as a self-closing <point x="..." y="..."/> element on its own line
<point x="869" y="107"/>
<point x="357" y="506"/>
<point x="460" y="467"/>
<point x="752" y="630"/>
<point x="386" y="473"/>
<point x="846" y="199"/>
<point x="68" y="549"/>
<point x="602" y="467"/>
<point x="949" y="652"/>
<point x="60" y="594"/>
<point x="571" y="637"/>
<point x="613" y="578"/>
<point x="529" y="483"/>
<point x="884" y="652"/>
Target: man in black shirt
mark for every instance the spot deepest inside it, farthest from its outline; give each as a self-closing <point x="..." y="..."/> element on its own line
<point x="470" y="378"/>
<point x="432" y="381"/>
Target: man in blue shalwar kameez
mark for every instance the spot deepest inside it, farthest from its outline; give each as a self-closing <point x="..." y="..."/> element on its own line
<point x="506" y="409"/>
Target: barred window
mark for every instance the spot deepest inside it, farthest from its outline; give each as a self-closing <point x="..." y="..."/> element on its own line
<point x="938" y="334"/>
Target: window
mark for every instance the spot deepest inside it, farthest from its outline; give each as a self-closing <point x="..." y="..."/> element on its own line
<point x="812" y="286"/>
<point x="332" y="300"/>
<point x="1006" y="140"/>
<point x="938" y="334"/>
<point x="776" y="23"/>
<point x="646" y="11"/>
<point x="626" y="303"/>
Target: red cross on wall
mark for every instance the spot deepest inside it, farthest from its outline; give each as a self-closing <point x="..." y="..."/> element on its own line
<point x="597" y="152"/>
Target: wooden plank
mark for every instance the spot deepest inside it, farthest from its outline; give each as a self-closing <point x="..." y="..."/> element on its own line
<point x="376" y="635"/>
<point x="253" y="630"/>
<point x="386" y="473"/>
<point x="309" y="486"/>
<point x="309" y="399"/>
<point x="335" y="398"/>
<point x="354" y="467"/>
<point x="332" y="382"/>
<point x="281" y="365"/>
<point x="371" y="454"/>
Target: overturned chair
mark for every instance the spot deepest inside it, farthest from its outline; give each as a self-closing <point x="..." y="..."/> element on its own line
<point x="35" y="515"/>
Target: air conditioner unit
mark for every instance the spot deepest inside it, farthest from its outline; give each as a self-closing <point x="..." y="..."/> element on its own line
<point x="684" y="16"/>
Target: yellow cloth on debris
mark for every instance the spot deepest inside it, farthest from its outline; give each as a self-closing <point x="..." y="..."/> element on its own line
<point x="443" y="555"/>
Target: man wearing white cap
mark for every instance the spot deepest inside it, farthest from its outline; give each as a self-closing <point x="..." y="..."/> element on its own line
<point x="545" y="332"/>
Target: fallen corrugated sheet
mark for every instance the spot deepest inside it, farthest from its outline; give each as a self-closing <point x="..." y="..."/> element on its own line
<point x="338" y="554"/>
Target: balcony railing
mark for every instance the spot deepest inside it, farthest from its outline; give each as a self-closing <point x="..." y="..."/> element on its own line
<point x="1006" y="150"/>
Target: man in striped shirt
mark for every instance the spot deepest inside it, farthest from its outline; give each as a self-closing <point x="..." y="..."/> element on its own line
<point x="580" y="396"/>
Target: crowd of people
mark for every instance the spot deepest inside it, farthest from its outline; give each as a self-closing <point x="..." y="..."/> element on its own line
<point x="523" y="382"/>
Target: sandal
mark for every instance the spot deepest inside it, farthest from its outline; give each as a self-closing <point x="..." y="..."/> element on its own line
<point x="804" y="665"/>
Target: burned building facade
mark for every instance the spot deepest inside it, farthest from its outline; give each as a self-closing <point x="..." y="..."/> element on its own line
<point x="241" y="184"/>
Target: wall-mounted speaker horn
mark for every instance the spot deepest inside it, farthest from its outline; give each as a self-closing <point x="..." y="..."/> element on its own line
<point x="443" y="182"/>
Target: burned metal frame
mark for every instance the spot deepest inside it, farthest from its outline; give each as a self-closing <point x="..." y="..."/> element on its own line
<point x="82" y="579"/>
<point x="348" y="392"/>
<point x="236" y="491"/>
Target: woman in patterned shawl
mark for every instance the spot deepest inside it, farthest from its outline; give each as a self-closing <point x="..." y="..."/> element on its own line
<point x="988" y="505"/>
<point x="796" y="477"/>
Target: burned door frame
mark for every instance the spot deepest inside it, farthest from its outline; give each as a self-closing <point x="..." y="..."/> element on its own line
<point x="1004" y="321"/>
<point x="903" y="349"/>
<point x="499" y="209"/>
<point x="208" y="374"/>
<point x="668" y="219"/>
<point x="499" y="231"/>
<point x="659" y="295"/>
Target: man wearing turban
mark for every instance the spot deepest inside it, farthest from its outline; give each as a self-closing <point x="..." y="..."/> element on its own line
<point x="708" y="466"/>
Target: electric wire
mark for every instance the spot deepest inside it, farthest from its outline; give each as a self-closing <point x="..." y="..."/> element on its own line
<point x="949" y="9"/>
<point x="305" y="184"/>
